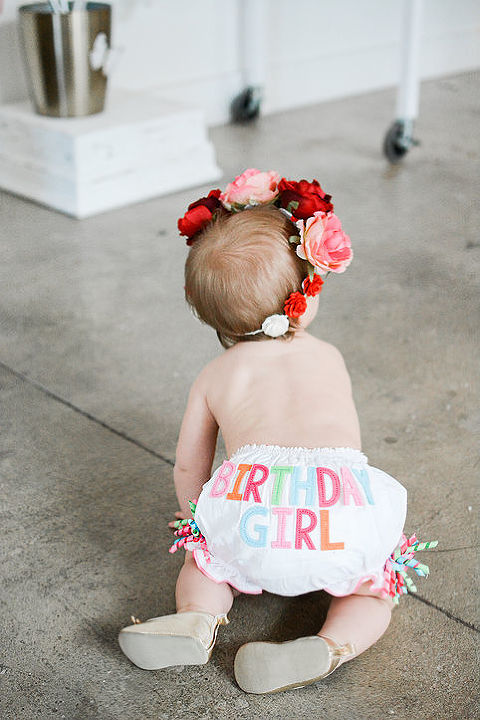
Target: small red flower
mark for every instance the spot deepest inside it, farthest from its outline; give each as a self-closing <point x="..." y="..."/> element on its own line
<point x="312" y="287"/>
<point x="295" y="305"/>
<point x="306" y="198"/>
<point x="198" y="215"/>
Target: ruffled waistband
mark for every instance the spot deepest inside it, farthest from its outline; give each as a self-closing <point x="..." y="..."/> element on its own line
<point x="274" y="454"/>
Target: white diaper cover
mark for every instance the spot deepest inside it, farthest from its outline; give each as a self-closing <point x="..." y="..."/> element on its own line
<point x="293" y="520"/>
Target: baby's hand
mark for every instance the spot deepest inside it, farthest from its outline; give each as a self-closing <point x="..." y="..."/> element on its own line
<point x="180" y="516"/>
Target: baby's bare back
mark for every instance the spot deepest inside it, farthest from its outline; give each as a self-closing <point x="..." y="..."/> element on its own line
<point x="294" y="393"/>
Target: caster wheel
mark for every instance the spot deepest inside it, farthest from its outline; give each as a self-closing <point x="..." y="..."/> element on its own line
<point x="246" y="106"/>
<point x="395" y="144"/>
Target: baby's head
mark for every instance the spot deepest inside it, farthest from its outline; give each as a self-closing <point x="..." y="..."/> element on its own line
<point x="259" y="253"/>
<point x="241" y="269"/>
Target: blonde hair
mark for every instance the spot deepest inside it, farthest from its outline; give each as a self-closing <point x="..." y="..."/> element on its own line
<point x="241" y="269"/>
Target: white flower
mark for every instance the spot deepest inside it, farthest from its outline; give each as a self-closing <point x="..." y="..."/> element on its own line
<point x="275" y="325"/>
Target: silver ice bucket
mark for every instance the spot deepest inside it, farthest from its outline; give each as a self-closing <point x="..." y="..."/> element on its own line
<point x="65" y="56"/>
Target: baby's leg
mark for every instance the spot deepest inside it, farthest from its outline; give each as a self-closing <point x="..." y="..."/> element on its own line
<point x="196" y="592"/>
<point x="353" y="624"/>
<point x="359" y="619"/>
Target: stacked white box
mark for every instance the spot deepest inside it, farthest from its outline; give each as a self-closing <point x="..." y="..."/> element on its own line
<point x="140" y="147"/>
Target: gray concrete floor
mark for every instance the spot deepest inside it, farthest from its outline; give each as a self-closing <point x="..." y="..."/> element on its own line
<point x="98" y="351"/>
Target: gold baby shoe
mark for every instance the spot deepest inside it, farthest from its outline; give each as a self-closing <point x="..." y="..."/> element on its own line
<point x="182" y="639"/>
<point x="269" y="667"/>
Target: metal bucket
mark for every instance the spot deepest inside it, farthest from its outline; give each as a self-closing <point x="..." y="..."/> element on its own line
<point x="65" y="55"/>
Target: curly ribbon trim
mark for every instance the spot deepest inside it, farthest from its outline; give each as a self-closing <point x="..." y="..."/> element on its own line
<point x="188" y="531"/>
<point x="397" y="582"/>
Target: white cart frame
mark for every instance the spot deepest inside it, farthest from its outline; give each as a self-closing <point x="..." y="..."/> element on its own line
<point x="399" y="138"/>
<point x="253" y="32"/>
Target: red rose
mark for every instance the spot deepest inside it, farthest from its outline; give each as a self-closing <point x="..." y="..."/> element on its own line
<point x="309" y="196"/>
<point x="295" y="305"/>
<point x="198" y="215"/>
<point x="312" y="287"/>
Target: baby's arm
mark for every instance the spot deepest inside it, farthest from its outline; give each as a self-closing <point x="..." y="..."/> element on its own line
<point x="195" y="451"/>
<point x="196" y="446"/>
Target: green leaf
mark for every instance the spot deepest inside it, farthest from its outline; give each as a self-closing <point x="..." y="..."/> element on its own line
<point x="311" y="272"/>
<point x="294" y="239"/>
<point x="292" y="206"/>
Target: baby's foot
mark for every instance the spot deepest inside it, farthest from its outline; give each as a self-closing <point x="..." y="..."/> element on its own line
<point x="182" y="639"/>
<point x="268" y="667"/>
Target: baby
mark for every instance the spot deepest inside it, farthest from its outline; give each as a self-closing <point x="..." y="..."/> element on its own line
<point x="295" y="507"/>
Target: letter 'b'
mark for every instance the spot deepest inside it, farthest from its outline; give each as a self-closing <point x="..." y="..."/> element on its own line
<point x="222" y="480"/>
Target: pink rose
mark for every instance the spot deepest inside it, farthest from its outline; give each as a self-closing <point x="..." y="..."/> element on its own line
<point x="323" y="243"/>
<point x="252" y="187"/>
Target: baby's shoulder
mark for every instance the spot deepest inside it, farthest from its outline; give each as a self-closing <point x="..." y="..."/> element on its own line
<point x="239" y="359"/>
<point x="221" y="374"/>
<point x="212" y="372"/>
<point x="325" y="349"/>
<point x="326" y="358"/>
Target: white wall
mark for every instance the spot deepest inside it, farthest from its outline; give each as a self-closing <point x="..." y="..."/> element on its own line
<point x="316" y="49"/>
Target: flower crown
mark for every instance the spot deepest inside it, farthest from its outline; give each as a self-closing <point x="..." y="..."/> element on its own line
<point x="321" y="240"/>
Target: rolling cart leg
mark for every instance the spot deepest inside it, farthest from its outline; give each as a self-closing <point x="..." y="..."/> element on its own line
<point x="246" y="105"/>
<point x="399" y="138"/>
